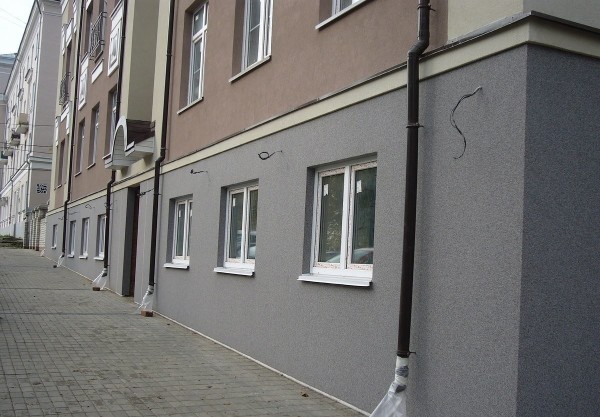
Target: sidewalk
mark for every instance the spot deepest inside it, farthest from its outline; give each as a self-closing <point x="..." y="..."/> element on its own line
<point x="66" y="350"/>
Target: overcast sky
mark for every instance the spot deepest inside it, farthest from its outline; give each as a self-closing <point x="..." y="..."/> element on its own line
<point x="13" y="17"/>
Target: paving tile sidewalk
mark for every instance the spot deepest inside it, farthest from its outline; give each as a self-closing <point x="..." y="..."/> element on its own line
<point x="66" y="350"/>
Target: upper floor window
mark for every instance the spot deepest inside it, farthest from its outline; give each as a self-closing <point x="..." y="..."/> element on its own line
<point x="115" y="40"/>
<point x="198" y="47"/>
<point x="94" y="135"/>
<point x="339" y="5"/>
<point x="258" y="15"/>
<point x="80" y="142"/>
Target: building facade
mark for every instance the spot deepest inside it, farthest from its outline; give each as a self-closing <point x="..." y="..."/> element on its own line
<point x="29" y="121"/>
<point x="278" y="136"/>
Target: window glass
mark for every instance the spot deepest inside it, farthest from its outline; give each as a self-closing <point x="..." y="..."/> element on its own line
<point x="363" y="231"/>
<point x="332" y="202"/>
<point x="236" y="224"/>
<point x="252" y="217"/>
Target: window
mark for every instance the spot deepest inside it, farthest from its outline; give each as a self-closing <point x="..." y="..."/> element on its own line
<point x="94" y="136"/>
<point x="112" y="121"/>
<point x="115" y="40"/>
<point x="344" y="225"/>
<point x="100" y="236"/>
<point x="339" y="5"/>
<point x="61" y="164"/>
<point x="196" y="77"/>
<point x="182" y="224"/>
<point x="258" y="15"/>
<point x="80" y="140"/>
<point x="72" y="238"/>
<point x="85" y="226"/>
<point x="240" y="229"/>
<point x="54" y="235"/>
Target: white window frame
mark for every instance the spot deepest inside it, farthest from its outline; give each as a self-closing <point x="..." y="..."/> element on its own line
<point x="337" y="6"/>
<point x="243" y="263"/>
<point x="100" y="236"/>
<point x="187" y="218"/>
<point x="72" y="234"/>
<point x="80" y="142"/>
<point x="344" y="272"/>
<point x="115" y="40"/>
<point x="85" y="232"/>
<point x="54" y="230"/>
<point x="198" y="37"/>
<point x="94" y="136"/>
<point x="265" y="32"/>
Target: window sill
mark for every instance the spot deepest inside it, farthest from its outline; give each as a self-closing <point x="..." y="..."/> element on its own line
<point x="336" y="280"/>
<point x="250" y="69"/>
<point x="189" y="106"/>
<point x="77" y="174"/>
<point x="83" y="257"/>
<point x="339" y="15"/>
<point x="70" y="256"/>
<point x="53" y="247"/>
<point x="98" y="258"/>
<point x="177" y="265"/>
<point x="235" y="271"/>
<point x="92" y="165"/>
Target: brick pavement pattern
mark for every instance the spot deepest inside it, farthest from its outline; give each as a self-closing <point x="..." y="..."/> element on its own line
<point x="66" y="350"/>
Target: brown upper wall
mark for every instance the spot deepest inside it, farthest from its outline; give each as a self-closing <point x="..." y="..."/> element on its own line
<point x="306" y="63"/>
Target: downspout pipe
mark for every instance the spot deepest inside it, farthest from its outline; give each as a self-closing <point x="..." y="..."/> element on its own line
<point x="72" y="132"/>
<point x="394" y="402"/>
<point x="410" y="197"/>
<point x="161" y="158"/>
<point x="113" y="176"/>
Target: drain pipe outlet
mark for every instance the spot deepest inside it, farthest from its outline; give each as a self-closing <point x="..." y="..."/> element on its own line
<point x="394" y="402"/>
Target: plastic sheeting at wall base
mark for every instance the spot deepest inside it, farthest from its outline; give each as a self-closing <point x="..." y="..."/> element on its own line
<point x="148" y="299"/>
<point x="394" y="402"/>
<point x="101" y="280"/>
<point x="60" y="261"/>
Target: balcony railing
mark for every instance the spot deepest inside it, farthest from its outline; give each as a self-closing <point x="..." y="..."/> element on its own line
<point x="97" y="37"/>
<point x="64" y="89"/>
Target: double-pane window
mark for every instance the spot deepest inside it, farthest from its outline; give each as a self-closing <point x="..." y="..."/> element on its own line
<point x="72" y="238"/>
<point x="85" y="226"/>
<point x="258" y="15"/>
<point x="345" y="220"/>
<point x="339" y="5"/>
<point x="198" y="47"/>
<point x="242" y="211"/>
<point x="181" y="230"/>
<point x="100" y="236"/>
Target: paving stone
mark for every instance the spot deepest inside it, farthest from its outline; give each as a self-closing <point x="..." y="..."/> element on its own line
<point x="67" y="350"/>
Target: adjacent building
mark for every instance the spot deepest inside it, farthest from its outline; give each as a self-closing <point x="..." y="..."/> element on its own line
<point x="28" y="127"/>
<point x="272" y="137"/>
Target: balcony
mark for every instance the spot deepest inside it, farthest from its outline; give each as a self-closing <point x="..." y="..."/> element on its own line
<point x="22" y="123"/>
<point x="64" y="89"/>
<point x="15" y="139"/>
<point x="97" y="37"/>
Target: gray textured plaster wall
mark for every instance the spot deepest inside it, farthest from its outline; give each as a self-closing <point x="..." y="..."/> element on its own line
<point x="341" y="339"/>
<point x="559" y="349"/>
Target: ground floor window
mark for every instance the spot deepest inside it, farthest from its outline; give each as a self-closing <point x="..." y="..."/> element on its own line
<point x="100" y="236"/>
<point x="344" y="220"/>
<point x="72" y="225"/>
<point x="54" y="235"/>
<point x="182" y="223"/>
<point x="240" y="236"/>
<point x="85" y="226"/>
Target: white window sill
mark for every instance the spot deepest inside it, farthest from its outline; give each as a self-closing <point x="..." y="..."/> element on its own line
<point x="336" y="280"/>
<point x="189" y="106"/>
<point x="250" y="68"/>
<point x="340" y="14"/>
<point x="235" y="271"/>
<point x="83" y="257"/>
<point x="70" y="256"/>
<point x="98" y="258"/>
<point x="53" y="247"/>
<point x="177" y="265"/>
